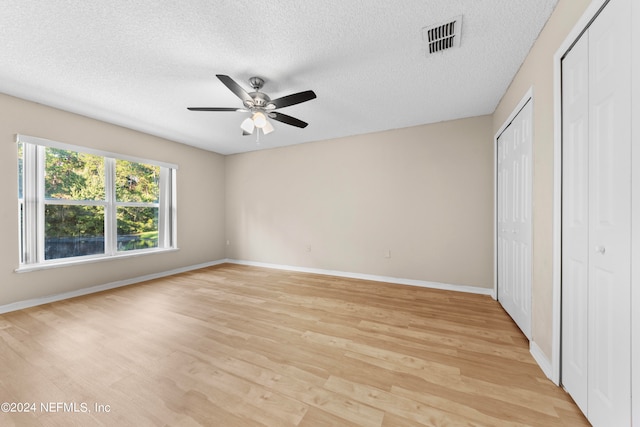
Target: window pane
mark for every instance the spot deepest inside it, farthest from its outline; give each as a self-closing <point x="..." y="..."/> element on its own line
<point x="71" y="175"/>
<point x="72" y="230"/>
<point x="137" y="228"/>
<point x="82" y="217"/>
<point x="137" y="182"/>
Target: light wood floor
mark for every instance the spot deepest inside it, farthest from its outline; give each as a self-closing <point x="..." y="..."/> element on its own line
<point x="243" y="346"/>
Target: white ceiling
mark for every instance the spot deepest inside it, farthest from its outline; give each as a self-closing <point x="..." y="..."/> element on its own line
<point x="141" y="63"/>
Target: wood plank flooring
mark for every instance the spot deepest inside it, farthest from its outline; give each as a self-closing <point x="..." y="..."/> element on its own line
<point x="243" y="346"/>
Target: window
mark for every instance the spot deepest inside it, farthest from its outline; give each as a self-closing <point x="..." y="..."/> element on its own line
<point x="80" y="204"/>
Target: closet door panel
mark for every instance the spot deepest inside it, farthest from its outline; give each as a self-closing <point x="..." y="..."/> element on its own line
<point x="610" y="216"/>
<point x="514" y="218"/>
<point x="575" y="224"/>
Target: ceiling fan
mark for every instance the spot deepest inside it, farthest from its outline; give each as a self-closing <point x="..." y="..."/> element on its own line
<point x="260" y="105"/>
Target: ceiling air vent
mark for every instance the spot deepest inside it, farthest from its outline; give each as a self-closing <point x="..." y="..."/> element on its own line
<point x="443" y="36"/>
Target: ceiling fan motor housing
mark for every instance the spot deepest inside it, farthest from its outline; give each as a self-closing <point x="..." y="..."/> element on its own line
<point x="260" y="100"/>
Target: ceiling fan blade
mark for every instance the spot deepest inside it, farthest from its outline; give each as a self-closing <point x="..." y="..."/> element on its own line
<point x="287" y="119"/>
<point x="235" y="88"/>
<point x="215" y="109"/>
<point x="293" y="99"/>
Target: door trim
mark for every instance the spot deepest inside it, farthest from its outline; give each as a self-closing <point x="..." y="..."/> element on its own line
<point x="635" y="213"/>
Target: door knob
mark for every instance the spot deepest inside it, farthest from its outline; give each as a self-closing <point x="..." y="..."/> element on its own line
<point x="600" y="249"/>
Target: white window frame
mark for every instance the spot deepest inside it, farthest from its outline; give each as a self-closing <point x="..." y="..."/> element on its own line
<point x="32" y="247"/>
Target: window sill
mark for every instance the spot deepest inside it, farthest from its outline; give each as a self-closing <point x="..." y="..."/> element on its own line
<point x="27" y="268"/>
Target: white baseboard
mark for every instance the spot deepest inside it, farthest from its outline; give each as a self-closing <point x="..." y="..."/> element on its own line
<point x="541" y="360"/>
<point x="99" y="288"/>
<point x="412" y="282"/>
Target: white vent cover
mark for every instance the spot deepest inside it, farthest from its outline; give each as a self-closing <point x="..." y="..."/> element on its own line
<point x="443" y="36"/>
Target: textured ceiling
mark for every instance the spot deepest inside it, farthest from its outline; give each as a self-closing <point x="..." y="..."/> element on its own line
<point x="139" y="64"/>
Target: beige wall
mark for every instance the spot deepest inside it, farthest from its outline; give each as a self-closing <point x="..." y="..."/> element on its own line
<point x="537" y="71"/>
<point x="200" y="181"/>
<point x="424" y="193"/>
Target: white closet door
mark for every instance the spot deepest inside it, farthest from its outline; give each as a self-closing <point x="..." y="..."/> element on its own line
<point x="610" y="216"/>
<point x="596" y="263"/>
<point x="514" y="218"/>
<point x="575" y="220"/>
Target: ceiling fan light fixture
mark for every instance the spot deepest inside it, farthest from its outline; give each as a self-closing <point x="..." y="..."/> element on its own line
<point x="259" y="120"/>
<point x="248" y="125"/>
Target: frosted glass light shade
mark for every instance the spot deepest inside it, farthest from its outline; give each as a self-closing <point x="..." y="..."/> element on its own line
<point x="259" y="120"/>
<point x="247" y="125"/>
<point x="268" y="128"/>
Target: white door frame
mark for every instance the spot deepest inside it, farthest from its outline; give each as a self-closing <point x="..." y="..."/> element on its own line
<point x="635" y="213"/>
<point x="528" y="97"/>
<point x="583" y="23"/>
